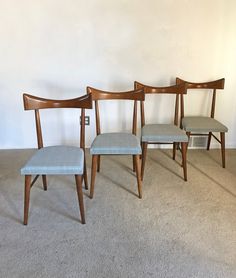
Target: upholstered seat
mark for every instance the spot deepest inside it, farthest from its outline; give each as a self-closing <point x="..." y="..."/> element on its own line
<point x="163" y="133"/>
<point x="202" y="124"/>
<point x="116" y="143"/>
<point x="55" y="160"/>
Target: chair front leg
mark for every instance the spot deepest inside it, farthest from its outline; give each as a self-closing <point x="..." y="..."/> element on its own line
<point x="184" y="146"/>
<point x="144" y="154"/>
<point x="93" y="174"/>
<point x="209" y="140"/>
<point x="44" y="177"/>
<point x="78" y="180"/>
<point x="99" y="163"/>
<point x="27" y="198"/>
<point x="138" y="174"/>
<point x="222" y="139"/>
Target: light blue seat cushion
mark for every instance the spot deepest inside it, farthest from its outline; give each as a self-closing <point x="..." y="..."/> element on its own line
<point x="55" y="160"/>
<point x="202" y="124"/>
<point x="116" y="143"/>
<point x="163" y="133"/>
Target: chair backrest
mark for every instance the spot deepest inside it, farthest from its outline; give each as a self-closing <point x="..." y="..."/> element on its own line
<point x="36" y="103"/>
<point x="176" y="90"/>
<point x="211" y="86"/>
<point x="135" y="95"/>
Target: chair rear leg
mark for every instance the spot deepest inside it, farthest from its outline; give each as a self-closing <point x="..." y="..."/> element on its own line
<point x="209" y="140"/>
<point x="222" y="139"/>
<point x="98" y="163"/>
<point x="27" y="198"/>
<point x="44" y="177"/>
<point x="78" y="180"/>
<point x="144" y="154"/>
<point x="138" y="174"/>
<point x="188" y="133"/>
<point x="174" y="150"/>
<point x="184" y="146"/>
<point x="85" y="174"/>
<point x="93" y="174"/>
<point x="134" y="167"/>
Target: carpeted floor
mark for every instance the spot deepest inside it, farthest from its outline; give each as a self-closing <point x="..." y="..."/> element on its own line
<point x="178" y="229"/>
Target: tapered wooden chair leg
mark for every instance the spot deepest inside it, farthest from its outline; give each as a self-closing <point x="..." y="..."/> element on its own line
<point x="174" y="150"/>
<point x="222" y="139"/>
<point x="144" y="154"/>
<point x="93" y="174"/>
<point x="44" y="182"/>
<point x="184" y="159"/>
<point x="138" y="174"/>
<point x="134" y="167"/>
<point x="188" y="134"/>
<point x="27" y="198"/>
<point x="78" y="180"/>
<point x="209" y="141"/>
<point x="99" y="163"/>
<point x="85" y="174"/>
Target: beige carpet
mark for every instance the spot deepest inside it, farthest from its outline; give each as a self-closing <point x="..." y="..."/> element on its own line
<point x="178" y="229"/>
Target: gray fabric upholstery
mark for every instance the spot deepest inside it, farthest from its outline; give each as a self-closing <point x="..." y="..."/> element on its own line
<point x="116" y="143"/>
<point x="56" y="160"/>
<point x="202" y="124"/>
<point x="163" y="133"/>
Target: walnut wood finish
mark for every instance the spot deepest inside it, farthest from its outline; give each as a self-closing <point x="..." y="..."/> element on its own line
<point x="36" y="103"/>
<point x="78" y="180"/>
<point x="27" y="198"/>
<point x="177" y="90"/>
<point x="98" y="95"/>
<point x="216" y="84"/>
<point x="211" y="86"/>
<point x="134" y="129"/>
<point x="138" y="175"/>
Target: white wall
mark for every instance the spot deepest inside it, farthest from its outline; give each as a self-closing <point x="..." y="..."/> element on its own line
<point x="55" y="48"/>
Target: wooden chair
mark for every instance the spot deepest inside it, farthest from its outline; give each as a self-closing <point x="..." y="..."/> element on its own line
<point x="56" y="160"/>
<point x="116" y="143"/>
<point x="205" y="125"/>
<point x="164" y="133"/>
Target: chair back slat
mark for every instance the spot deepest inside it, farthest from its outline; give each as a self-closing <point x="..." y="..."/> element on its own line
<point x="176" y="109"/>
<point x="82" y="129"/>
<point x="38" y="129"/>
<point x="97" y="95"/>
<point x="98" y="128"/>
<point x="134" y="127"/>
<point x="213" y="104"/>
<point x="142" y="113"/>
